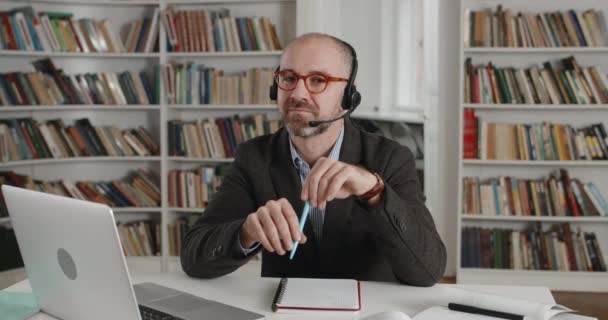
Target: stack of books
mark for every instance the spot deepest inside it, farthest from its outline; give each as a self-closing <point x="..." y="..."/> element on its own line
<point x="556" y="195"/>
<point x="216" y="30"/>
<point x="138" y="189"/>
<point x="216" y="138"/>
<point x="25" y="139"/>
<point x="192" y="83"/>
<point x="23" y="29"/>
<point x="536" y="141"/>
<point x="140" y="238"/>
<point x="50" y="86"/>
<point x="558" y="249"/>
<point x="570" y="84"/>
<point x="176" y="232"/>
<point x="194" y="188"/>
<point x="504" y="28"/>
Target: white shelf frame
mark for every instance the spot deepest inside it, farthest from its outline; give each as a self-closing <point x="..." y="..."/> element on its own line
<point x="584" y="219"/>
<point x="186" y="210"/>
<point x="200" y="160"/>
<point x="539" y="163"/>
<point x="49" y="161"/>
<point x="543" y="107"/>
<point x="564" y="50"/>
<point x="574" y="280"/>
<point x="79" y="107"/>
<point x="224" y="54"/>
<point x="101" y="55"/>
<point x="222" y="107"/>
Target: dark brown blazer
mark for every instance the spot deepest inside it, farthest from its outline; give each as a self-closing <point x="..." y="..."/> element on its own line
<point x="395" y="241"/>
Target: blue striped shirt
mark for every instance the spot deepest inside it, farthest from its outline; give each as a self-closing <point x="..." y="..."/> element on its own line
<point x="316" y="215"/>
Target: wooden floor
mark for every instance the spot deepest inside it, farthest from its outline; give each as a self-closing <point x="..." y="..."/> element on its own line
<point x="587" y="303"/>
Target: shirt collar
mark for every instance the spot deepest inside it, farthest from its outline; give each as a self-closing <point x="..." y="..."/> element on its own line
<point x="333" y="154"/>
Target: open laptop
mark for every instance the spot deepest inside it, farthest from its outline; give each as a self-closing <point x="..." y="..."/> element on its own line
<point x="77" y="270"/>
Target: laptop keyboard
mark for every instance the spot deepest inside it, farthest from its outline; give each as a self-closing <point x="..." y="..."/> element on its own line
<point x="153" y="314"/>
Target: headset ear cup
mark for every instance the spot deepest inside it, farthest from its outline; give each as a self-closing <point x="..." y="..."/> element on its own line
<point x="273" y="92"/>
<point x="355" y="98"/>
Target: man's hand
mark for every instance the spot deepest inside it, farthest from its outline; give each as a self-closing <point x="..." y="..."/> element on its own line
<point x="330" y="179"/>
<point x="274" y="225"/>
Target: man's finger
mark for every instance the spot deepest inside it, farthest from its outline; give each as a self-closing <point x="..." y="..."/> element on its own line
<point x="258" y="231"/>
<point x="313" y="178"/>
<point x="270" y="230"/>
<point x="337" y="182"/>
<point x="291" y="218"/>
<point x="325" y="181"/>
<point x="276" y="213"/>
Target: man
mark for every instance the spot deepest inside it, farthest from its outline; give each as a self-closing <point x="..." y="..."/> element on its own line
<point x="368" y="221"/>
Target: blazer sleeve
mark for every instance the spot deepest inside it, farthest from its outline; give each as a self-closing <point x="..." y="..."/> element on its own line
<point x="403" y="227"/>
<point x="211" y="249"/>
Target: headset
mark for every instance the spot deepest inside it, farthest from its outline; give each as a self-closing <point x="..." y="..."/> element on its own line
<point x="351" y="97"/>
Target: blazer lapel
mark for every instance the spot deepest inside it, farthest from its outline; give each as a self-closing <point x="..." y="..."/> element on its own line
<point x="338" y="212"/>
<point x="286" y="182"/>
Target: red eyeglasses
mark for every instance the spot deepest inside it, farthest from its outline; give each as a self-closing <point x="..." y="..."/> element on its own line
<point x="314" y="82"/>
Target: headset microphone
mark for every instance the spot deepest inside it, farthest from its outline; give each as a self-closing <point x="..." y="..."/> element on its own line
<point x="316" y="123"/>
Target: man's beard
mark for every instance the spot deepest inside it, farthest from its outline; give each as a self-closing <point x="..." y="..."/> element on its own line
<point x="297" y="125"/>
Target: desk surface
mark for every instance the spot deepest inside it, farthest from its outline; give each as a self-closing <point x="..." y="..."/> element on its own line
<point x="256" y="294"/>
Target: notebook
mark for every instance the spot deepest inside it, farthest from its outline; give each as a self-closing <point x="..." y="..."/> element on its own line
<point x="303" y="295"/>
<point x="17" y="305"/>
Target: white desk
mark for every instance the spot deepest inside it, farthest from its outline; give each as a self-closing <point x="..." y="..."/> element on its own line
<point x="256" y="294"/>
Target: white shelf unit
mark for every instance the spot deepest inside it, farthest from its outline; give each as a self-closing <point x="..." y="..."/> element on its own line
<point x="102" y="55"/>
<point x="282" y="13"/>
<point x="577" y="115"/>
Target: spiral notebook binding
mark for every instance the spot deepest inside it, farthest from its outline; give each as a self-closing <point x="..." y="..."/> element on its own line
<point x="278" y="296"/>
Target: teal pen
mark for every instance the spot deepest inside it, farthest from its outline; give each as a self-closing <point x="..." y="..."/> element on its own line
<point x="302" y="223"/>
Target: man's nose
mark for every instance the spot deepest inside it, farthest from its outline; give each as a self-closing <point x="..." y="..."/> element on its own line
<point x="300" y="92"/>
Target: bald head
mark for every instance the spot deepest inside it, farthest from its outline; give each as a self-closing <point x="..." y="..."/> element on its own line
<point x="342" y="49"/>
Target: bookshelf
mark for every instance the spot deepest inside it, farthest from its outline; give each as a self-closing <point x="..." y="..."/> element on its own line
<point x="282" y="13"/>
<point x="574" y="114"/>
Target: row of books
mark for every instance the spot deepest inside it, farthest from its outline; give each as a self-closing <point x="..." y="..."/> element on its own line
<point x="176" y="232"/>
<point x="193" y="83"/>
<point x="536" y="141"/>
<point x="504" y="28"/>
<point x="194" y="188"/>
<point x="51" y="86"/>
<point x="558" y="248"/>
<point x="216" y="30"/>
<point x="139" y="188"/>
<point x="555" y="195"/>
<point x="570" y="84"/>
<point x="25" y="139"/>
<point x="217" y="138"/>
<point x="140" y="238"/>
<point x="22" y="29"/>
